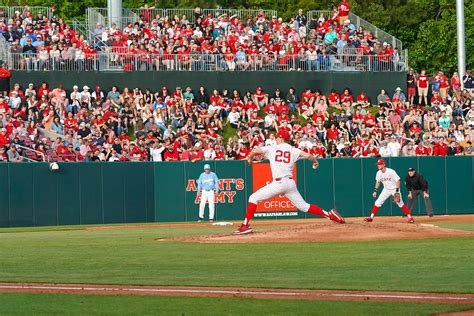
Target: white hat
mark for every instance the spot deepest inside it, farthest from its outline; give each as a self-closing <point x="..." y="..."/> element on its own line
<point x="198" y="144"/>
<point x="85" y="88"/>
<point x="398" y="89"/>
<point x="207" y="167"/>
<point x="75" y="87"/>
<point x="384" y="44"/>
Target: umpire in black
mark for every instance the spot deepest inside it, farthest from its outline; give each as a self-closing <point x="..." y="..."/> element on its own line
<point x="416" y="184"/>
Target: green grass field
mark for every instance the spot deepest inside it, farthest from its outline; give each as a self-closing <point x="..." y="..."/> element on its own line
<point x="66" y="304"/>
<point x="460" y="226"/>
<point x="136" y="257"/>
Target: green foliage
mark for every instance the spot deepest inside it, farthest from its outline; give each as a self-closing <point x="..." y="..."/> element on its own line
<point x="426" y="27"/>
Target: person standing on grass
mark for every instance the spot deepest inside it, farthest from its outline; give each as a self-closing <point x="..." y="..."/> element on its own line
<point x="416" y="184"/>
<point x="391" y="188"/>
<point x="208" y="185"/>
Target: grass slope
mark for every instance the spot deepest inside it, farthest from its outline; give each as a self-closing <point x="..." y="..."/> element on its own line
<point x="133" y="256"/>
<point x="67" y="304"/>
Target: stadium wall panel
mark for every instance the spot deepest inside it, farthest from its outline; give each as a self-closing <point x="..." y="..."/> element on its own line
<point x="105" y="193"/>
<point x="370" y="82"/>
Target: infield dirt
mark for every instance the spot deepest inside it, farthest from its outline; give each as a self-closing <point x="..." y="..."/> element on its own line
<point x="355" y="229"/>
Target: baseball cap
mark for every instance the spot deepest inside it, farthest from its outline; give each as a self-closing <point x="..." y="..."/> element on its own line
<point x="207" y="167"/>
<point x="380" y="162"/>
<point x="411" y="169"/>
<point x="283" y="134"/>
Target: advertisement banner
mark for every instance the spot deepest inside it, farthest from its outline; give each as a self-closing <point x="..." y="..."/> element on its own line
<point x="230" y="201"/>
<point x="279" y="205"/>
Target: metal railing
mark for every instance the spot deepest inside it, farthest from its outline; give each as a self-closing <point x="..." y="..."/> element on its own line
<point x="317" y="13"/>
<point x="127" y="61"/>
<point x="84" y="30"/>
<point x="147" y="14"/>
<point x="4" y="56"/>
<point x="100" y="15"/>
<point x="360" y="22"/>
<point x="44" y="62"/>
<point x="381" y="35"/>
<point x="29" y="154"/>
<point x="54" y="157"/>
<point x="95" y="15"/>
<point x="9" y="12"/>
<point x="191" y="13"/>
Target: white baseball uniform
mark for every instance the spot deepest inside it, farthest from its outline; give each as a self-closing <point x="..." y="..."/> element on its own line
<point x="389" y="180"/>
<point x="208" y="185"/>
<point x="282" y="159"/>
<point x="207" y="196"/>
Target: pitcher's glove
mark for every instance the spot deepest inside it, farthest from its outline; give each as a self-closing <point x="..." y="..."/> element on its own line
<point x="396" y="198"/>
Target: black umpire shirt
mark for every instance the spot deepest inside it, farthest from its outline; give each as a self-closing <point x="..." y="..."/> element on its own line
<point x="417" y="182"/>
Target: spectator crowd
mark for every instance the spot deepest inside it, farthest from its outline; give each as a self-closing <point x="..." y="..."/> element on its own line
<point x="181" y="123"/>
<point x="155" y="42"/>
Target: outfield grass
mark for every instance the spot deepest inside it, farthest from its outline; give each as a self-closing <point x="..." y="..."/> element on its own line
<point x="68" y="304"/>
<point x="134" y="256"/>
<point x="460" y="226"/>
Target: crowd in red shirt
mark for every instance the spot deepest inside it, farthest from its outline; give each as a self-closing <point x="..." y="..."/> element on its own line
<point x="92" y="124"/>
<point x="156" y="43"/>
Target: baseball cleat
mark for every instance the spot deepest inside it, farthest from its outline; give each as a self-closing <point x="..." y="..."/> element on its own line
<point x="200" y="220"/>
<point x="411" y="220"/>
<point x="211" y="221"/>
<point x="336" y="217"/>
<point x="369" y="219"/>
<point x="243" y="229"/>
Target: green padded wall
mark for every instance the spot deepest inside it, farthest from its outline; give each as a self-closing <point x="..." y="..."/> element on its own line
<point x="370" y="82"/>
<point x="103" y="193"/>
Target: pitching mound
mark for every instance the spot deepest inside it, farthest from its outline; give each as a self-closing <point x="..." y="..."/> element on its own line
<point x="323" y="231"/>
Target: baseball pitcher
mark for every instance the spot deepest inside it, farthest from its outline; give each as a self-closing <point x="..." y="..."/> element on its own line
<point x="282" y="157"/>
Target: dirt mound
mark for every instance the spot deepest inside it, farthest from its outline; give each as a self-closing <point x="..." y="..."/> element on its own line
<point x="324" y="231"/>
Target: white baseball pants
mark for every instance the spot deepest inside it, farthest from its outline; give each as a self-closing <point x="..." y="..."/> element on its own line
<point x="285" y="186"/>
<point x="385" y="194"/>
<point x="207" y="196"/>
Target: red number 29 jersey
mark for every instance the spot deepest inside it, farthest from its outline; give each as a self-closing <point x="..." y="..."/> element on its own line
<point x="282" y="159"/>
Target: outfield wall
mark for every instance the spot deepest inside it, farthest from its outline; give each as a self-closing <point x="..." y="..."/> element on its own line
<point x="370" y="82"/>
<point x="103" y="193"/>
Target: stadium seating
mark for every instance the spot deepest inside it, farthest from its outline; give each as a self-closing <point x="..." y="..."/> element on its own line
<point x="231" y="43"/>
<point x="84" y="124"/>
